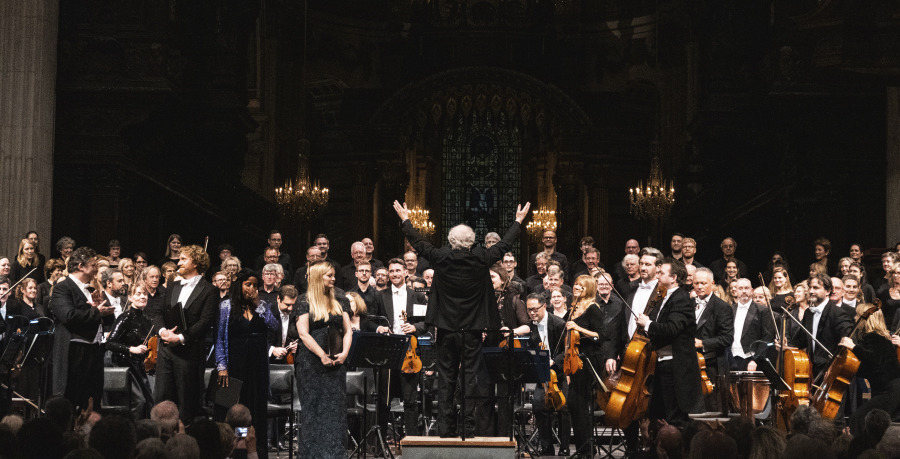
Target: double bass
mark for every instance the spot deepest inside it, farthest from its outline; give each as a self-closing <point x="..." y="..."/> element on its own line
<point x="631" y="396"/>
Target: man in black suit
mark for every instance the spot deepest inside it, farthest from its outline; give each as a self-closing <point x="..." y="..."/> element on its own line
<point x="78" y="366"/>
<point x="676" y="380"/>
<point x="283" y="341"/>
<point x="715" y="328"/>
<point x="825" y="320"/>
<point x="392" y="303"/>
<point x="462" y="298"/>
<point x="183" y="322"/>
<point x="548" y="329"/>
<point x="752" y="323"/>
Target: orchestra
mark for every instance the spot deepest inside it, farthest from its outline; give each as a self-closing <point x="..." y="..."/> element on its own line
<point x="659" y="344"/>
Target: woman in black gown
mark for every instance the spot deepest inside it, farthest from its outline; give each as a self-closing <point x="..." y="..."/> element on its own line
<point x="890" y="296"/>
<point x="871" y="343"/>
<point x="128" y="343"/>
<point x="323" y="383"/>
<point x="242" y="349"/>
<point x="587" y="319"/>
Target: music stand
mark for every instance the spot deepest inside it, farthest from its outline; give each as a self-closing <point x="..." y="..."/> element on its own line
<point x="377" y="351"/>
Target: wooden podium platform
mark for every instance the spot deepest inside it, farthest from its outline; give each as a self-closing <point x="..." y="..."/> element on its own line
<point x="454" y="448"/>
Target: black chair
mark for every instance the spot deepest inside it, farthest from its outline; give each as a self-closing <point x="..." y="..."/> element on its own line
<point x="281" y="381"/>
<point x="357" y="386"/>
<point x="116" y="380"/>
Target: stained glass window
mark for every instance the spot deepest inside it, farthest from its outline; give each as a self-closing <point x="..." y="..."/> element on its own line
<point x="481" y="176"/>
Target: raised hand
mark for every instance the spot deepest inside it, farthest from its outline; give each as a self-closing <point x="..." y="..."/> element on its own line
<point x="402" y="211"/>
<point x="522" y="212"/>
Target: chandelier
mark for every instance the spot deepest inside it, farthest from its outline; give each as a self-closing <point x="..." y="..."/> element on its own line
<point x="654" y="201"/>
<point x="419" y="219"/>
<point x="302" y="199"/>
<point x="542" y="220"/>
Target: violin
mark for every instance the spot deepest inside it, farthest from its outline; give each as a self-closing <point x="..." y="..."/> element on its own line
<point x="553" y="396"/>
<point x="828" y="396"/>
<point x="152" y="354"/>
<point x="573" y="362"/>
<point x="631" y="396"/>
<point x="412" y="363"/>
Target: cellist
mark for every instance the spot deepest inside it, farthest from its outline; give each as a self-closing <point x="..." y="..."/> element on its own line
<point x="871" y="343"/>
<point x="676" y="382"/>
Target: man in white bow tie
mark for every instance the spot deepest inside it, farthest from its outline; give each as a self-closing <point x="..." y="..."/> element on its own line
<point x="825" y="320"/>
<point x="715" y="328"/>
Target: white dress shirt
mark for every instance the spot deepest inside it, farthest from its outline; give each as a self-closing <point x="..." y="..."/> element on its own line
<point x="398" y="295"/>
<point x="98" y="338"/>
<point x="116" y="303"/>
<point x="285" y="322"/>
<point x="639" y="303"/>
<point x="817" y="314"/>
<point x="700" y="306"/>
<point x="187" y="287"/>
<point x="542" y="329"/>
<point x="740" y="316"/>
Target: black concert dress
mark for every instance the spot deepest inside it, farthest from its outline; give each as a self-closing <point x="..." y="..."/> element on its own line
<point x="580" y="400"/>
<point x="322" y="393"/>
<point x="878" y="364"/>
<point x="242" y="348"/>
<point x="132" y="328"/>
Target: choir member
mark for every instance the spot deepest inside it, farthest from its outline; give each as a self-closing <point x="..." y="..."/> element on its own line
<point x="780" y="287"/>
<point x="549" y="241"/>
<point x="65" y="245"/>
<point x="558" y="303"/>
<point x="822" y="252"/>
<point x="718" y="267"/>
<point x="26" y="261"/>
<point x="280" y="257"/>
<point x="54" y="270"/>
<point x="688" y="252"/>
<point x="115" y="251"/>
<point x="173" y="249"/>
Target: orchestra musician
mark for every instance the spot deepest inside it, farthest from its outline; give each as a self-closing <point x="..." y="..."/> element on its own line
<point x="752" y="323"/>
<point x="461" y="299"/>
<point x="872" y="345"/>
<point x="825" y="320"/>
<point x="587" y="319"/>
<point x="548" y="329"/>
<point x="128" y="343"/>
<point x="715" y="328"/>
<point x="392" y="302"/>
<point x="183" y="321"/>
<point x="676" y="382"/>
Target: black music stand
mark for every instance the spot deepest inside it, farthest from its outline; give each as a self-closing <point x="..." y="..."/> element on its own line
<point x="427" y="352"/>
<point x="15" y="347"/>
<point x="37" y="348"/>
<point x="376" y="351"/>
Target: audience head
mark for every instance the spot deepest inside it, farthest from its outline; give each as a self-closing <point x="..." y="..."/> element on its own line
<point x="10" y="446"/>
<point x="208" y="438"/>
<point x="227" y="438"/>
<point x="167" y="416"/>
<point x="183" y="446"/>
<point x="60" y="412"/>
<point x="113" y="436"/>
<point x="802" y="446"/>
<point x="889" y="445"/>
<point x="238" y="416"/>
<point x="802" y="418"/>
<point x="713" y="445"/>
<point x="740" y="429"/>
<point x="146" y="428"/>
<point x="766" y="443"/>
<point x="13" y="422"/>
<point x="669" y="443"/>
<point x="151" y="448"/>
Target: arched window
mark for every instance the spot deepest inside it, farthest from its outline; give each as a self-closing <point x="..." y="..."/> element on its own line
<point x="481" y="182"/>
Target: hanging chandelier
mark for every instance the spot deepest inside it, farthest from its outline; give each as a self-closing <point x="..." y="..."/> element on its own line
<point x="542" y="220"/>
<point x="302" y="199"/>
<point x="654" y="201"/>
<point x="419" y="219"/>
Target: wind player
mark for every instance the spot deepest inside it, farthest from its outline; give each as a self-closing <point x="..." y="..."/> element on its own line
<point x="676" y="381"/>
<point x="715" y="329"/>
<point x="461" y="299"/>
<point x="392" y="302"/>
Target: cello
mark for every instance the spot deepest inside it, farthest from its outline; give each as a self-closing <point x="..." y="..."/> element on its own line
<point x="828" y="395"/>
<point x="631" y="396"/>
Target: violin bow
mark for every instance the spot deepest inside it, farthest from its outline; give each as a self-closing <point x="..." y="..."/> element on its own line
<point x="788" y="313"/>
<point x="771" y="312"/>
<point x="13" y="287"/>
<point x="147" y="338"/>
<point x="609" y="279"/>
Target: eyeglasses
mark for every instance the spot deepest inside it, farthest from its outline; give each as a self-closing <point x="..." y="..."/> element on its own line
<point x="363" y="270"/>
<point x="535" y="309"/>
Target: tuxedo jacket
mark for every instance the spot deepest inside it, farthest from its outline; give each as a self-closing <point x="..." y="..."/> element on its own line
<point x="75" y="318"/>
<point x="715" y="329"/>
<point x="758" y="325"/>
<point x="199" y="312"/>
<point x="675" y="326"/>
<point x="834" y="324"/>
<point x="384" y="306"/>
<point x="556" y="327"/>
<point x="274" y="336"/>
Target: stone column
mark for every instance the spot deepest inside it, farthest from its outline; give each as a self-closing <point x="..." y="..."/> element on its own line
<point x="27" y="102"/>
<point x="892" y="193"/>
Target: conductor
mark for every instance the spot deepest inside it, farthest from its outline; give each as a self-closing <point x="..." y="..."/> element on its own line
<point x="462" y="298"/>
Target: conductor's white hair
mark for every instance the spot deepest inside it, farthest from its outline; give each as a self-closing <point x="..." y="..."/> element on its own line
<point x="461" y="237"/>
